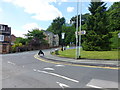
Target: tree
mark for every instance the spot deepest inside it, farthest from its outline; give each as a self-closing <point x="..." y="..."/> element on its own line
<point x="69" y="34"/>
<point x="98" y="36"/>
<point x="36" y="37"/>
<point x="114" y="16"/>
<point x="83" y="19"/>
<point x="24" y="41"/>
<point x="56" y="26"/>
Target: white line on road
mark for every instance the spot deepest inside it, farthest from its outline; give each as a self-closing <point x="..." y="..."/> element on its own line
<point x="62" y="85"/>
<point x="11" y="63"/>
<point x="54" y="74"/>
<point x="34" y="70"/>
<point x="59" y="65"/>
<point x="93" y="86"/>
<point x="49" y="69"/>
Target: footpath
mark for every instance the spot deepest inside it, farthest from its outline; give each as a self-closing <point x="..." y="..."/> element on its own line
<point x="103" y="63"/>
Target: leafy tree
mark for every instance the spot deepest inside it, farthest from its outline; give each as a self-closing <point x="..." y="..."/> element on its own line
<point x="36" y="37"/>
<point x="83" y="19"/>
<point x="24" y="41"/>
<point x="98" y="36"/>
<point x="56" y="26"/>
<point x="114" y="16"/>
<point x="69" y="34"/>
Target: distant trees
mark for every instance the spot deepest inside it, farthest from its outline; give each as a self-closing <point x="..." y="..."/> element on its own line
<point x="35" y="37"/>
<point x="34" y="40"/>
<point x="99" y="24"/>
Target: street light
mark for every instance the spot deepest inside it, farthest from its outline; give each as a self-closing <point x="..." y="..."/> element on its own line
<point x="77" y="31"/>
<point x="80" y="30"/>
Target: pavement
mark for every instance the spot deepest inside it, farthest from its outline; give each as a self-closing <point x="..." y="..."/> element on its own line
<point x="90" y="62"/>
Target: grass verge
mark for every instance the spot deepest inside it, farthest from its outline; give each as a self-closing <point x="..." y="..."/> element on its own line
<point x="90" y="54"/>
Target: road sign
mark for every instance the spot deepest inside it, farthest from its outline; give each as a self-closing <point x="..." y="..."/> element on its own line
<point x="82" y="32"/>
<point x="63" y="35"/>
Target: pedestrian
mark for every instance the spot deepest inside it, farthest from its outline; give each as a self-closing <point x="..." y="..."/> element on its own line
<point x="41" y="52"/>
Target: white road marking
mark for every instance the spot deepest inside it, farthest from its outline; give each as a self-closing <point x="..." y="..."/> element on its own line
<point x="54" y="74"/>
<point x="62" y="85"/>
<point x="34" y="70"/>
<point x="93" y="86"/>
<point x="59" y="65"/>
<point x="98" y="83"/>
<point x="11" y="63"/>
<point x="49" y="69"/>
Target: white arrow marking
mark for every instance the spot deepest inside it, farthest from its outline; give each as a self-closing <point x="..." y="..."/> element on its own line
<point x="54" y="74"/>
<point x="62" y="85"/>
<point x="49" y="69"/>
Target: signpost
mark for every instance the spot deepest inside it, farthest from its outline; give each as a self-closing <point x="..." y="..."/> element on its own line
<point x="63" y="36"/>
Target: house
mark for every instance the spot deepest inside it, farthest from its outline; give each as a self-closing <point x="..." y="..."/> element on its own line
<point x="53" y="40"/>
<point x="13" y="39"/>
<point x="5" y="38"/>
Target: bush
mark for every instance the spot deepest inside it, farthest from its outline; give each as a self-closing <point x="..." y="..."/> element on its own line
<point x="115" y="41"/>
<point x="15" y="46"/>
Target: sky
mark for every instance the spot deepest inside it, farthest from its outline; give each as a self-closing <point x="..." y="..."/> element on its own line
<point x="24" y="15"/>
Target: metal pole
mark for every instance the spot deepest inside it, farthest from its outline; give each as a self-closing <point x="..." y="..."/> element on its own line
<point x="80" y="28"/>
<point x="77" y="31"/>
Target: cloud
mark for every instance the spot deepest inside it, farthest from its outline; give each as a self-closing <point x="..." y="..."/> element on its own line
<point x="17" y="33"/>
<point x="25" y="28"/>
<point x="39" y="9"/>
<point x="31" y="26"/>
<point x="1" y="10"/>
<point x="70" y="9"/>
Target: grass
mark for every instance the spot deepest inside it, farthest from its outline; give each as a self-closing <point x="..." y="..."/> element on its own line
<point x="90" y="54"/>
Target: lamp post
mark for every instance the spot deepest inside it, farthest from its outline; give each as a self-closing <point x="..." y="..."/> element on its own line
<point x="77" y="30"/>
<point x="80" y="30"/>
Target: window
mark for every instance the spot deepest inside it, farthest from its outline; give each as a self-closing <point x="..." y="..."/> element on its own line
<point x="1" y="37"/>
<point x="2" y="27"/>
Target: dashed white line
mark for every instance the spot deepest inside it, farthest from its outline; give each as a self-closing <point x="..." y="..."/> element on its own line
<point x="49" y="69"/>
<point x="34" y="70"/>
<point x="59" y="65"/>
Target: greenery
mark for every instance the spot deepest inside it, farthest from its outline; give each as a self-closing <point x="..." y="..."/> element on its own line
<point x="102" y="25"/>
<point x="98" y="36"/>
<point x="24" y="41"/>
<point x="14" y="47"/>
<point x="35" y="37"/>
<point x="113" y="15"/>
<point x="90" y="54"/>
<point x="56" y="27"/>
<point x="115" y="40"/>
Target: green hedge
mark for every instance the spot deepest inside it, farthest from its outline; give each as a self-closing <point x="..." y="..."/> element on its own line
<point x="115" y="41"/>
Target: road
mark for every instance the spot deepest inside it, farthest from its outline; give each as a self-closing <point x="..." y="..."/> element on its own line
<point x="22" y="70"/>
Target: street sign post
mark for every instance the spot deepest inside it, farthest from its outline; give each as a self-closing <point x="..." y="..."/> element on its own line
<point x="63" y="35"/>
<point x="82" y="32"/>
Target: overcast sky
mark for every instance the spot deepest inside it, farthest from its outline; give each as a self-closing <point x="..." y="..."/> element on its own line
<point x="24" y="15"/>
